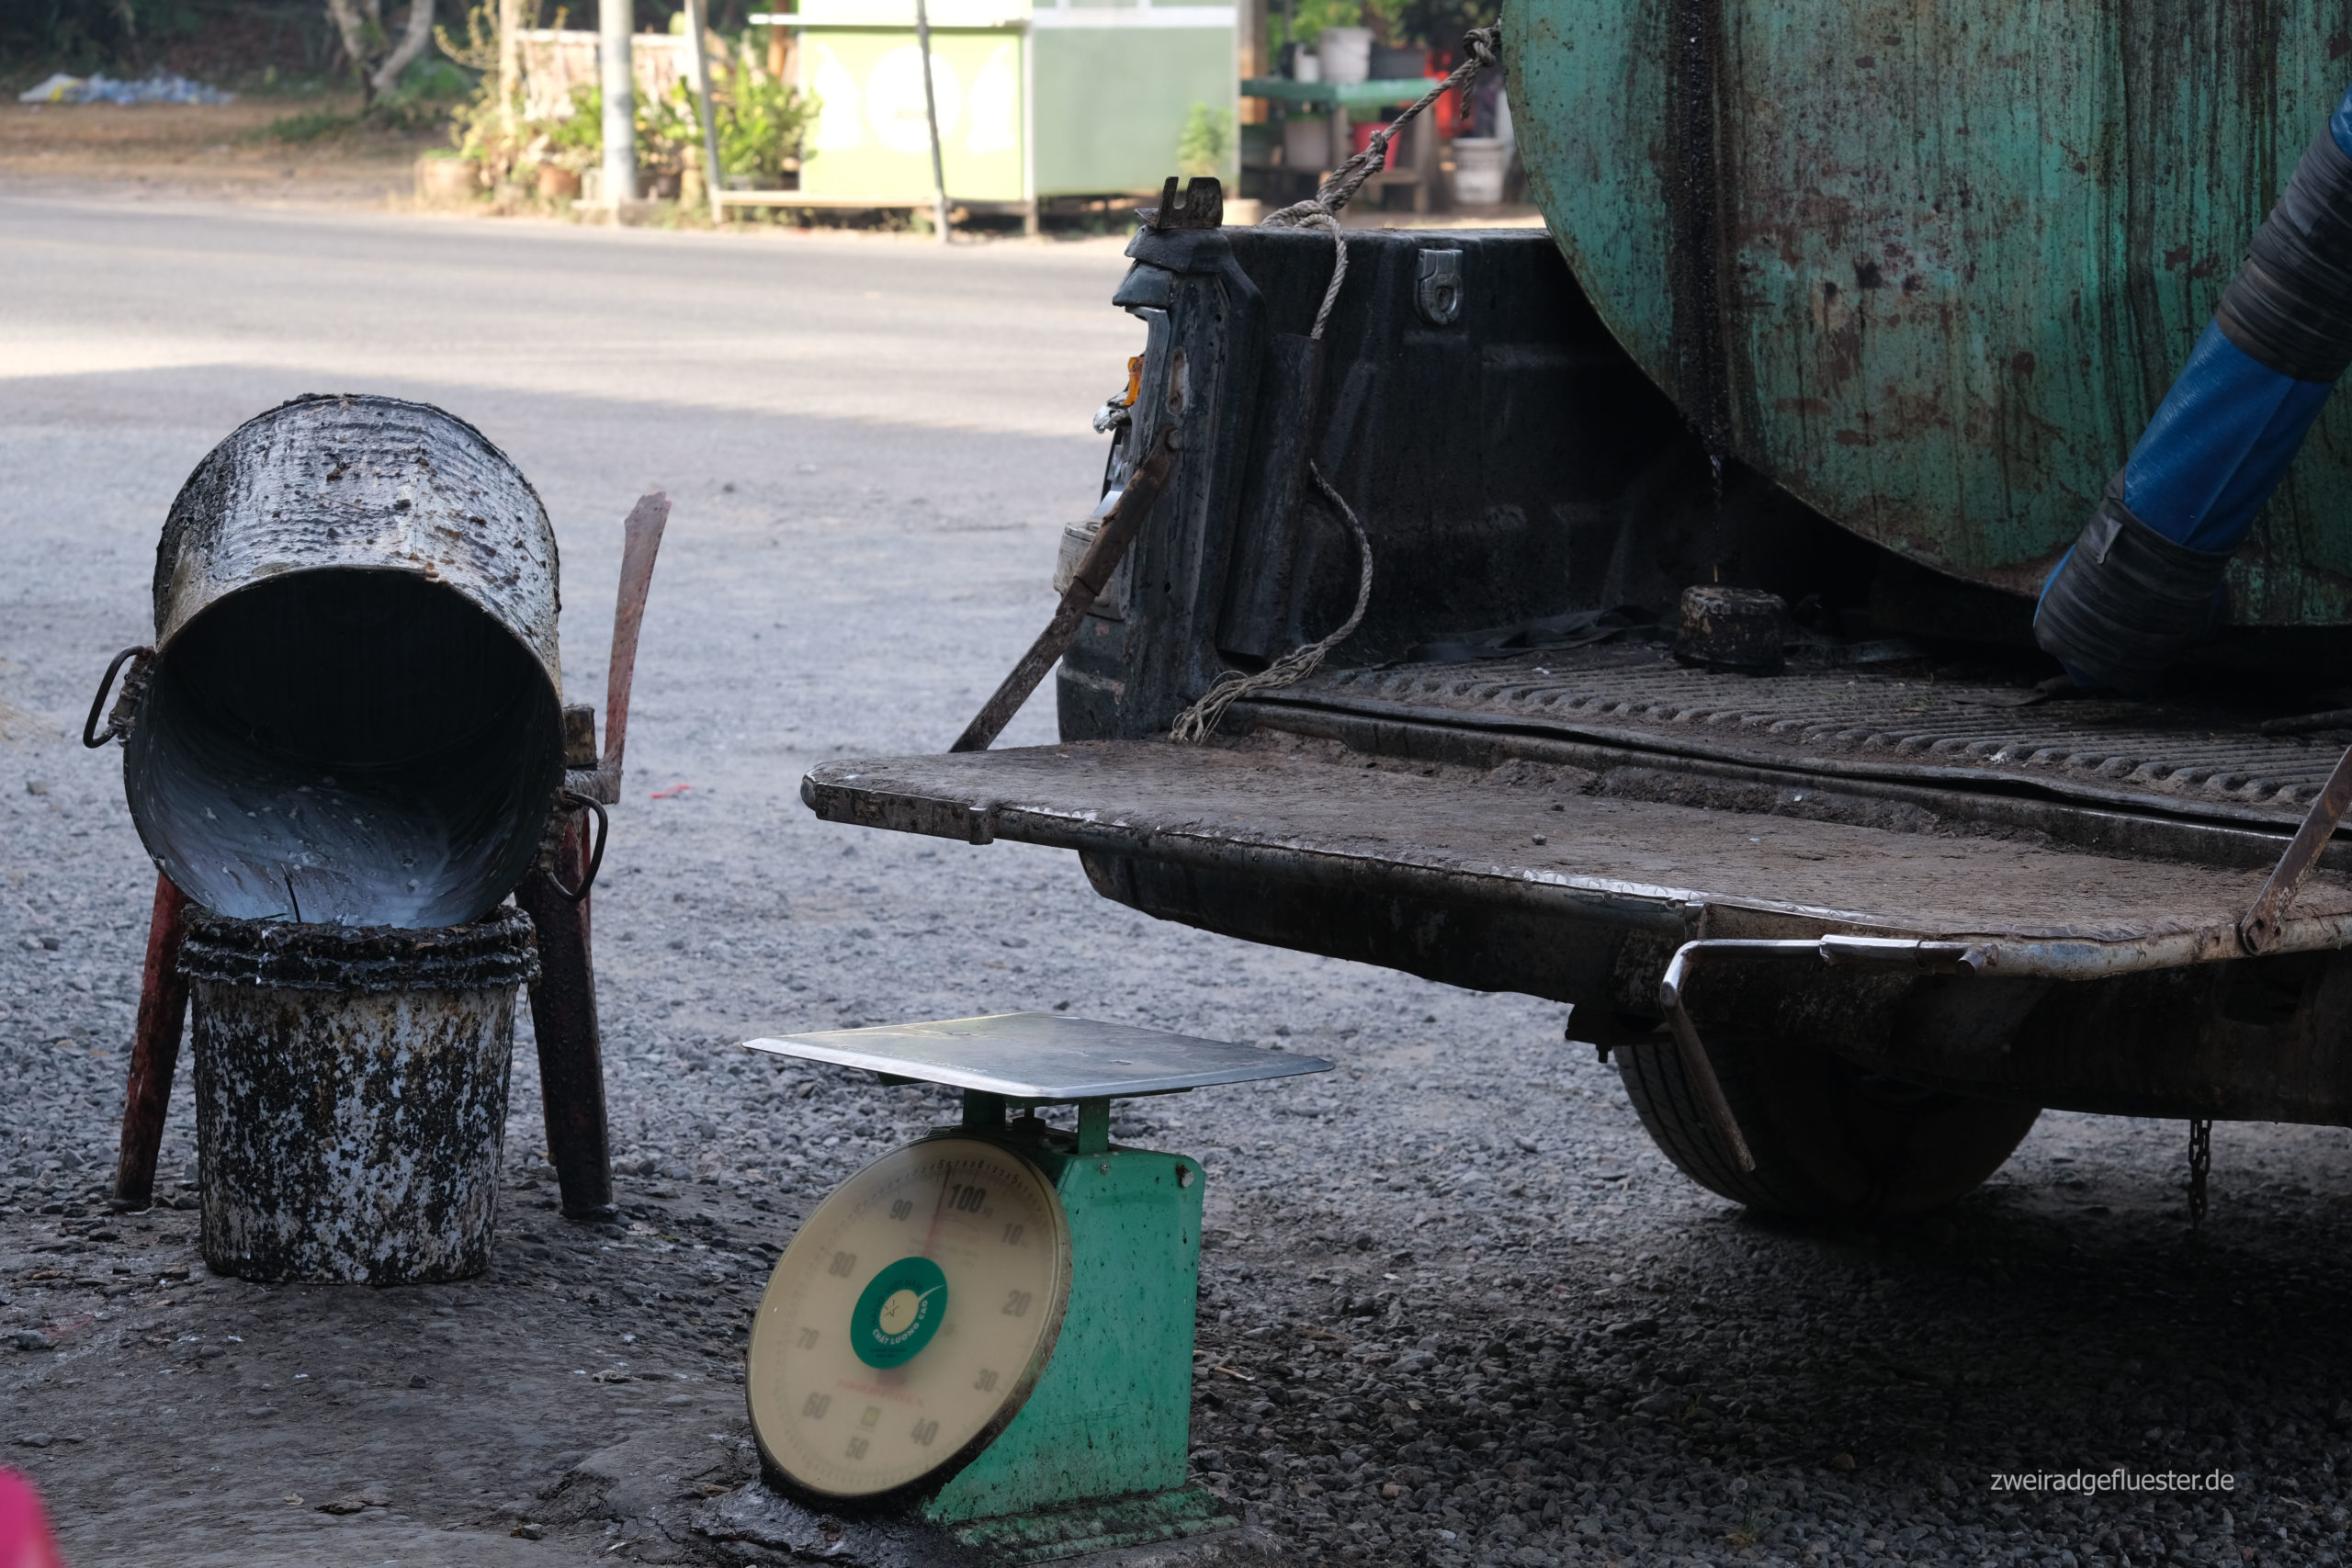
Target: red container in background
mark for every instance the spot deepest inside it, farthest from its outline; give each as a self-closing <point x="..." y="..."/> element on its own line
<point x="1363" y="131"/>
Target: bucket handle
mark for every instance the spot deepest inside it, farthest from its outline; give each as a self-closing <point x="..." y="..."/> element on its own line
<point x="119" y="722"/>
<point x="576" y="801"/>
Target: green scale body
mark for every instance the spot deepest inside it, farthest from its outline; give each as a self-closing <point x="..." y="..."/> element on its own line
<point x="1097" y="1457"/>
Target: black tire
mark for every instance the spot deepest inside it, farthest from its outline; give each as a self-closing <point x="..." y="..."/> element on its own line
<point x="1832" y="1139"/>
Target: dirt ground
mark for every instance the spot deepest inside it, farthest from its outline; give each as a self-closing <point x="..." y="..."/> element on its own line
<point x="213" y="151"/>
<point x="1455" y="1309"/>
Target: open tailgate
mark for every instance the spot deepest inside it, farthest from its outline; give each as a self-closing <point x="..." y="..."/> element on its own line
<point x="1529" y="837"/>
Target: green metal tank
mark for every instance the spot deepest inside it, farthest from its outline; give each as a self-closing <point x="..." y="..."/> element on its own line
<point x="1932" y="266"/>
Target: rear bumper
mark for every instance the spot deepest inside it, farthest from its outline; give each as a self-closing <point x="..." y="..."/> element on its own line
<point x="2109" y="984"/>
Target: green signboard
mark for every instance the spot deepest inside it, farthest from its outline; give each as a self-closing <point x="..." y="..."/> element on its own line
<point x="1035" y="100"/>
<point x="870" y="138"/>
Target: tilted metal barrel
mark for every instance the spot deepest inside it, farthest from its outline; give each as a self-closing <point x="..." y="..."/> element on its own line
<point x="1933" y="268"/>
<point x="352" y="714"/>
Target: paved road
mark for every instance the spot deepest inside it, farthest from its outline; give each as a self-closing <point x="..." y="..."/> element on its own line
<point x="1456" y="1311"/>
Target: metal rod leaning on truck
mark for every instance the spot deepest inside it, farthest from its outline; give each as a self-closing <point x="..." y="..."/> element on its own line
<point x="1119" y="528"/>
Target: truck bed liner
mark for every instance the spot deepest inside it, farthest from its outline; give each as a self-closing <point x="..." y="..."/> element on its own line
<point x="1857" y="723"/>
<point x="1302" y="810"/>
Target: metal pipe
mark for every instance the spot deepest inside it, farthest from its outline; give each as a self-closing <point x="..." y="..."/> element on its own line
<point x="1844" y="952"/>
<point x="2259" y="930"/>
<point x="931" y="115"/>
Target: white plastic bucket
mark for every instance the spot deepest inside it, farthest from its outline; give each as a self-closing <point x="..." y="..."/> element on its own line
<point x="1304" y="66"/>
<point x="1346" y="53"/>
<point x="1307" y="142"/>
<point x="1480" y="163"/>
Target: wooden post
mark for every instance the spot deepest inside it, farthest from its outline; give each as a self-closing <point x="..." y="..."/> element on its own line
<point x="1250" y="59"/>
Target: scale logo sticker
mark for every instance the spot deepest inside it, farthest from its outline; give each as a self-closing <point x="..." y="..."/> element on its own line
<point x="897" y="1312"/>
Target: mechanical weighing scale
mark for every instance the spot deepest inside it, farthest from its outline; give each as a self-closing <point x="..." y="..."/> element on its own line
<point x="991" y="1328"/>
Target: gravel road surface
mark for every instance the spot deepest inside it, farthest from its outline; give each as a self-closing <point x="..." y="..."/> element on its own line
<point x="1454" y="1310"/>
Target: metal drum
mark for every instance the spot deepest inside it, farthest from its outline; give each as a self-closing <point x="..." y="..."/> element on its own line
<point x="1933" y="268"/>
<point x="352" y="716"/>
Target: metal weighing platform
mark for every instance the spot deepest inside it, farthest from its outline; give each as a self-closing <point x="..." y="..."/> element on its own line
<point x="991" y="1328"/>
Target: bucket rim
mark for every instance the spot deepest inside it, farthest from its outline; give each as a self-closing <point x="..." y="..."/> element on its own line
<point x="498" y="950"/>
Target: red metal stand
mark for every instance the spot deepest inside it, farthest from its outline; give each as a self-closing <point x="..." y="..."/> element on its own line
<point x="155" y="1049"/>
<point x="563" y="1016"/>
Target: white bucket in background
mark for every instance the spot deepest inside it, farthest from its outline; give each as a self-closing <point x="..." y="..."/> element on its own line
<point x="1346" y="53"/>
<point x="1305" y="66"/>
<point x="1479" y="165"/>
<point x="1307" y="142"/>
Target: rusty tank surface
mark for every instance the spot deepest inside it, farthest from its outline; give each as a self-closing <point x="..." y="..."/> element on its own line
<point x="1932" y="269"/>
<point x="351" y="714"/>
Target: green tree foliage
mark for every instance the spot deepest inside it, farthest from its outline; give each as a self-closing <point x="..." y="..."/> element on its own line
<point x="760" y="122"/>
<point x="87" y="34"/>
<point x="1439" y="23"/>
<point x="1204" y="146"/>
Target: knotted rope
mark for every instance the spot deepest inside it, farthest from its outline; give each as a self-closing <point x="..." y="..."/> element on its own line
<point x="1321" y="210"/>
<point x="1197" y="723"/>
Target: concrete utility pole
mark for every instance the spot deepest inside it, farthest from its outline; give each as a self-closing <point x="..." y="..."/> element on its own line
<point x="930" y="114"/>
<point x="618" y="20"/>
<point x="711" y="176"/>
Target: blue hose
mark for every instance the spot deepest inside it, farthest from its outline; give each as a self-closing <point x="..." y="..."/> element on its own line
<point x="2145" y="579"/>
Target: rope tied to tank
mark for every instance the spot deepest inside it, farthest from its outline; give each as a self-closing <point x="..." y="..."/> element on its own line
<point x="1321" y="211"/>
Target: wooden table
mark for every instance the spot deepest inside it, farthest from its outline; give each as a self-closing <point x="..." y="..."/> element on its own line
<point x="1414" y="165"/>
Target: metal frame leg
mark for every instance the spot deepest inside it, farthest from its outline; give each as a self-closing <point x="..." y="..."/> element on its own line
<point x="155" y="1049"/>
<point x="563" y="1014"/>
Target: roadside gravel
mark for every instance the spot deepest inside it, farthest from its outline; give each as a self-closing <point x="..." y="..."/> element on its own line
<point x="1455" y="1309"/>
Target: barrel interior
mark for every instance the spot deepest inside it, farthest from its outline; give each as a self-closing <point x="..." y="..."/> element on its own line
<point x="360" y="746"/>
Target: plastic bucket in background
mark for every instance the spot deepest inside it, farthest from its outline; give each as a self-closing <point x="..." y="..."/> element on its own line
<point x="1346" y="53"/>
<point x="1392" y="64"/>
<point x="1480" y="164"/>
<point x="351" y="1094"/>
<point x="1307" y="142"/>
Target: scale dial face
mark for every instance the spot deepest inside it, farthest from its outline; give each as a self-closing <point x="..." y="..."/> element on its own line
<point x="909" y="1319"/>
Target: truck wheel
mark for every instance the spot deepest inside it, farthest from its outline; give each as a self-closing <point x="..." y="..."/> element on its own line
<point x="1832" y="1139"/>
